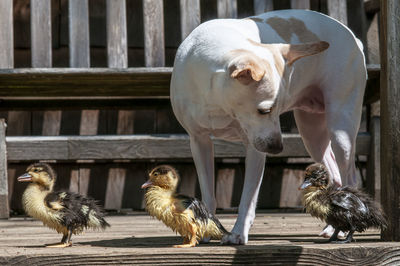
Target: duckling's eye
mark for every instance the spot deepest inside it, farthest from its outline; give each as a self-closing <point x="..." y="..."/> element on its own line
<point x="264" y="111"/>
<point x="155" y="174"/>
<point x="36" y="170"/>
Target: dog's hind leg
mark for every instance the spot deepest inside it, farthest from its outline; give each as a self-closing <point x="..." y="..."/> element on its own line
<point x="315" y="135"/>
<point x="255" y="163"/>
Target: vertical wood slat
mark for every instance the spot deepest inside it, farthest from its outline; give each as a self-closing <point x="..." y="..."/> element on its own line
<point x="338" y="10"/>
<point x="390" y="113"/>
<point x="41" y="33"/>
<point x="6" y="34"/>
<point x="153" y="20"/>
<point x="117" y="42"/>
<point x="300" y="4"/>
<point x="373" y="164"/>
<point x="79" y="55"/>
<point x="79" y="50"/>
<point x="262" y="6"/>
<point x="227" y="8"/>
<point x="190" y="16"/>
<point x="4" y="206"/>
<point x="224" y="187"/>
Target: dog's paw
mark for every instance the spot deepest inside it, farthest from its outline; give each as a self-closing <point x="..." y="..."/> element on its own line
<point x="328" y="232"/>
<point x="233" y="239"/>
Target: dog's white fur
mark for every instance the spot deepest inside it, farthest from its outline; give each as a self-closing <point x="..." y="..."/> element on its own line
<point x="232" y="79"/>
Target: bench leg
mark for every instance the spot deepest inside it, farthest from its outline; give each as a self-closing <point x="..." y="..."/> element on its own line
<point x="373" y="165"/>
<point x="4" y="207"/>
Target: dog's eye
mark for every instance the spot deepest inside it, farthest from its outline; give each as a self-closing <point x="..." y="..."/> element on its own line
<point x="264" y="111"/>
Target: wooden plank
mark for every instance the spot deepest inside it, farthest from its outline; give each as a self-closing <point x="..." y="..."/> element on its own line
<point x="300" y="4"/>
<point x="51" y="123"/>
<point x="6" y="34"/>
<point x="390" y="112"/>
<point x="4" y="206"/>
<point x="338" y="10"/>
<point x="79" y="55"/>
<point x="227" y="8"/>
<point x="372" y="6"/>
<point x="373" y="183"/>
<point x="41" y="33"/>
<point x="190" y="16"/>
<point x="117" y="42"/>
<point x="153" y="20"/>
<point x="68" y="82"/>
<point x="117" y="147"/>
<point x="224" y="187"/>
<point x="93" y="82"/>
<point x="115" y="188"/>
<point x="261" y="6"/>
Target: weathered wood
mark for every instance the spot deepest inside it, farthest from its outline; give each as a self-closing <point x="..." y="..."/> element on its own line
<point x="261" y="6"/>
<point x="118" y="147"/>
<point x="66" y="82"/>
<point x="390" y="113"/>
<point x="373" y="183"/>
<point x="79" y="55"/>
<point x="4" y="206"/>
<point x="227" y="8"/>
<point x="115" y="188"/>
<point x="373" y="41"/>
<point x="51" y="123"/>
<point x="190" y="16"/>
<point x="117" y="43"/>
<point x="300" y="4"/>
<point x="138" y="239"/>
<point x="6" y="34"/>
<point x="372" y="6"/>
<point x="84" y="82"/>
<point x="153" y="20"/>
<point x="41" y="33"/>
<point x="291" y="181"/>
<point x="224" y="187"/>
<point x="338" y="10"/>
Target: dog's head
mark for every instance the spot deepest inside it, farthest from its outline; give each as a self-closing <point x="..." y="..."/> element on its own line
<point x="255" y="83"/>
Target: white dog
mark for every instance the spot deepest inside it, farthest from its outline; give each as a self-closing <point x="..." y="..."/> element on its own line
<point x="232" y="79"/>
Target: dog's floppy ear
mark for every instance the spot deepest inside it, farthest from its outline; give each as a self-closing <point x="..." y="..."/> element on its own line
<point x="247" y="72"/>
<point x="293" y="52"/>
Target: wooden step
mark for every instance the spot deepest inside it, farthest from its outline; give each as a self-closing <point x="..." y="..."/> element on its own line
<point x="114" y="147"/>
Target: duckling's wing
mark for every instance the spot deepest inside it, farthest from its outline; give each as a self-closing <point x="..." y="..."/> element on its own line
<point x="349" y="201"/>
<point x="198" y="208"/>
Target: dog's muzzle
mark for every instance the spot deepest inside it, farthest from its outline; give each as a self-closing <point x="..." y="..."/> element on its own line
<point x="269" y="145"/>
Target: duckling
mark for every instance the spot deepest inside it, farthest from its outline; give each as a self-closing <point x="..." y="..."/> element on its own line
<point x="345" y="208"/>
<point x="185" y="215"/>
<point x="67" y="213"/>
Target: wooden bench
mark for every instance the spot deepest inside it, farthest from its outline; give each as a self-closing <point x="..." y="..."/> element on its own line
<point x="44" y="87"/>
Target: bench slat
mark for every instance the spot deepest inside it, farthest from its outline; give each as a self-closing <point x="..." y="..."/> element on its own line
<point x="190" y="16"/>
<point x="4" y="207"/>
<point x="139" y="147"/>
<point x="153" y="20"/>
<point x="338" y="10"/>
<point x="117" y="43"/>
<point x="79" y="54"/>
<point x="300" y="4"/>
<point x="6" y="34"/>
<point x="261" y="6"/>
<point x="97" y="82"/>
<point x="227" y="8"/>
<point x="41" y="33"/>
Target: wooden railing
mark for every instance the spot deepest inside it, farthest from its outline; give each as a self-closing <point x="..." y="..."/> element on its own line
<point x="44" y="87"/>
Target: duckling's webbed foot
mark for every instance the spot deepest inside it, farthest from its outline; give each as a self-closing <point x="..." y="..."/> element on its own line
<point x="65" y="241"/>
<point x="348" y="239"/>
<point x="334" y="236"/>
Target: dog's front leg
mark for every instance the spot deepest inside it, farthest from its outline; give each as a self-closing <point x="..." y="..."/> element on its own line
<point x="203" y="155"/>
<point x="255" y="163"/>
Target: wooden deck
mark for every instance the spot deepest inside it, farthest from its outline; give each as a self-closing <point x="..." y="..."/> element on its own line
<point x="276" y="238"/>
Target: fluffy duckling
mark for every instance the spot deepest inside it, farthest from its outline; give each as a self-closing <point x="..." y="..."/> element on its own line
<point x="345" y="208"/>
<point x="67" y="213"/>
<point x="185" y="215"/>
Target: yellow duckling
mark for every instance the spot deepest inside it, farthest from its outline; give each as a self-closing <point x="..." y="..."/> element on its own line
<point x="185" y="215"/>
<point x="67" y="213"/>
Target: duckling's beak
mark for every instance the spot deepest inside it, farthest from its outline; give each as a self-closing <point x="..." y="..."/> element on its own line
<point x="147" y="184"/>
<point x="305" y="184"/>
<point x="25" y="178"/>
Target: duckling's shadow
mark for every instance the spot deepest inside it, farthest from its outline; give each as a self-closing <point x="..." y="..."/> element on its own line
<point x="141" y="242"/>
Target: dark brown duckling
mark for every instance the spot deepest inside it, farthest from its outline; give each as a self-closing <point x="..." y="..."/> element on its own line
<point x="185" y="215"/>
<point x="67" y="213"/>
<point x="345" y="208"/>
